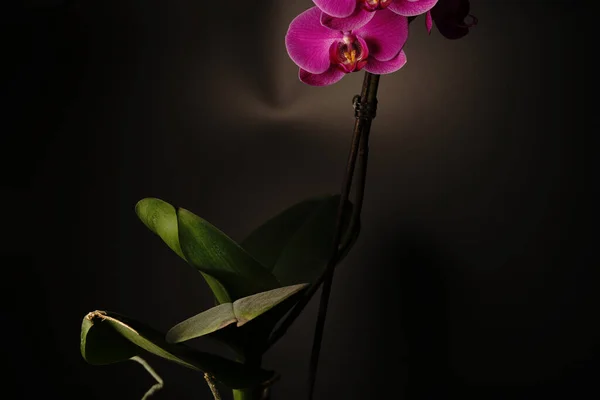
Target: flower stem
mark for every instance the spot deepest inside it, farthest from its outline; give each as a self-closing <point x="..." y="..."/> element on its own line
<point x="346" y="185"/>
<point x="364" y="116"/>
<point x="365" y="112"/>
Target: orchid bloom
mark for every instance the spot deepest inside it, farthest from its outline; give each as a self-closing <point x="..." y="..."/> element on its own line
<point x="449" y="17"/>
<point x="351" y="14"/>
<point x="325" y="55"/>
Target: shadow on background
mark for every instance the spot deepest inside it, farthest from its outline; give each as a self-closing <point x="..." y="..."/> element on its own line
<point x="47" y="53"/>
<point x="413" y="295"/>
<point x="438" y="344"/>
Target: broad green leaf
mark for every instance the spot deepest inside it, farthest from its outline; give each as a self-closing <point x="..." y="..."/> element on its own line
<point x="297" y="243"/>
<point x="248" y="308"/>
<point x="214" y="253"/>
<point x="268" y="240"/>
<point x="240" y="311"/>
<point x="202" y="324"/>
<point x="251" y="339"/>
<point x="109" y="337"/>
<point x="161" y="218"/>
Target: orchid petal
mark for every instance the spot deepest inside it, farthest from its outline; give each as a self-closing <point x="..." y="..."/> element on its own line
<point x="386" y="67"/>
<point x="357" y="19"/>
<point x="428" y="22"/>
<point x="385" y="34"/>
<point x="337" y="8"/>
<point x="411" y="8"/>
<point x="329" y="77"/>
<point x="308" y="42"/>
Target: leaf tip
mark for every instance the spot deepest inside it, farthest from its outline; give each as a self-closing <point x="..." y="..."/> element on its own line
<point x="95" y="314"/>
<point x="180" y="211"/>
<point x="141" y="207"/>
<point x="171" y="337"/>
<point x="241" y="321"/>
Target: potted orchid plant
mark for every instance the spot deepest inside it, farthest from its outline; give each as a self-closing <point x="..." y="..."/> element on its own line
<point x="262" y="284"/>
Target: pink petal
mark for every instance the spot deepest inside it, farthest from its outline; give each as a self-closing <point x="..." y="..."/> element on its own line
<point x="337" y="8"/>
<point x="308" y="42"/>
<point x="386" y="67"/>
<point x="329" y="77"/>
<point x="357" y="19"/>
<point x="411" y="8"/>
<point x="385" y="34"/>
<point x="428" y="22"/>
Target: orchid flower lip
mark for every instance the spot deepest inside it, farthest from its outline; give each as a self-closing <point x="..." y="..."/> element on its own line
<point x="349" y="54"/>
<point x="374" y="5"/>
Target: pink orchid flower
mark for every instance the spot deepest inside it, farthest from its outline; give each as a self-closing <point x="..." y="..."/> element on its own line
<point x="325" y="55"/>
<point x="352" y="14"/>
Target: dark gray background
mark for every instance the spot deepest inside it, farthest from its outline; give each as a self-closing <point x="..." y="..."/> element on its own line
<point x="475" y="274"/>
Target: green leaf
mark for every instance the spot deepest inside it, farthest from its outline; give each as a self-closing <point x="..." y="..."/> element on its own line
<point x="214" y="253"/>
<point x="109" y="337"/>
<point x="202" y="324"/>
<point x="268" y="240"/>
<point x="161" y="218"/>
<point x="240" y="312"/>
<point x="248" y="308"/>
<point x="297" y="243"/>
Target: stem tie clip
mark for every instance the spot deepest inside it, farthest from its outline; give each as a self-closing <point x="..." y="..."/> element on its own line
<point x="364" y="110"/>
